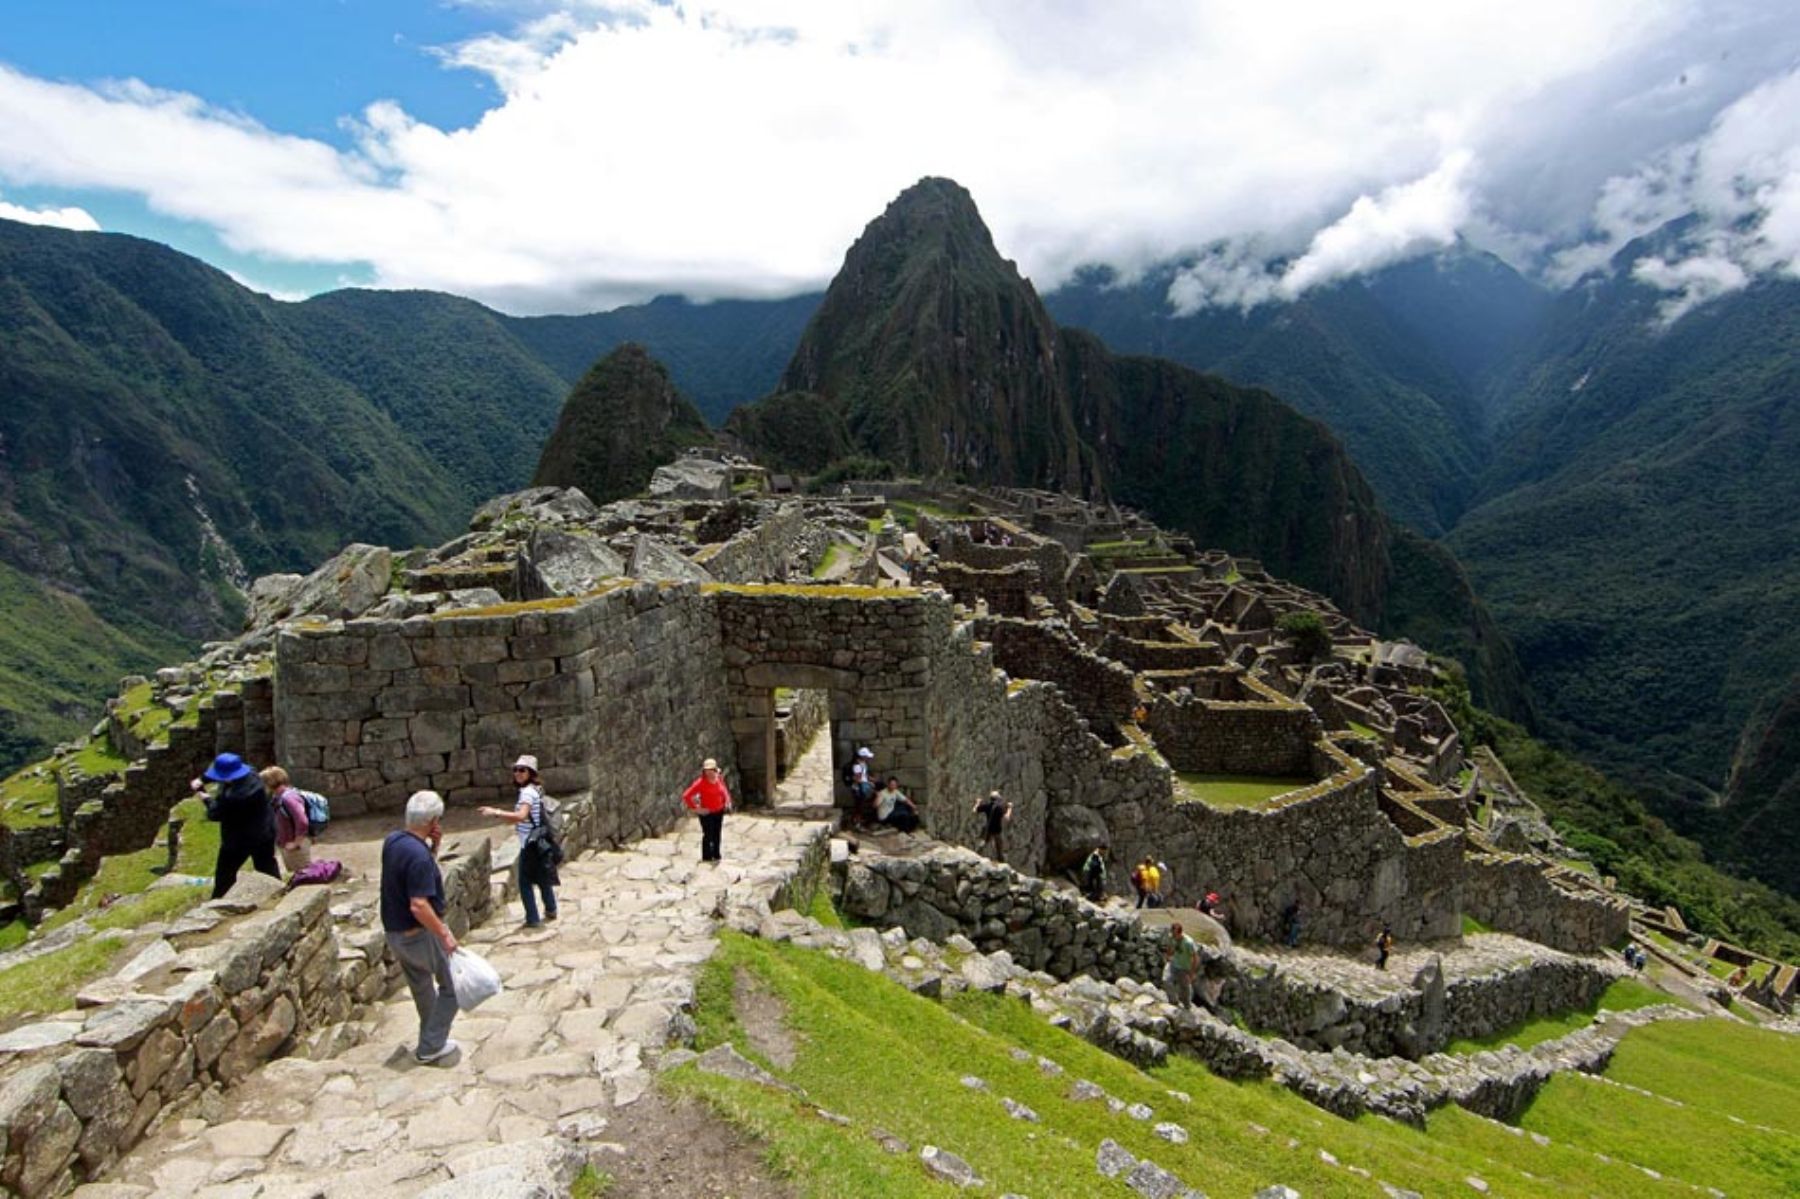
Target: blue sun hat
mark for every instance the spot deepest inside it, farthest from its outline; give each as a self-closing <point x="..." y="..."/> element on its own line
<point x="227" y="768"/>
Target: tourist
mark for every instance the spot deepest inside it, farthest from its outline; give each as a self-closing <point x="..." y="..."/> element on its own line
<point x="246" y="820"/>
<point x="1384" y="945"/>
<point x="861" y="780"/>
<point x="536" y="865"/>
<point x="1165" y="884"/>
<point x="709" y="798"/>
<point x="1290" y="924"/>
<point x="293" y="832"/>
<point x="1146" y="881"/>
<point x="412" y="914"/>
<point x="894" y="809"/>
<point x="995" y="812"/>
<point x="1213" y="906"/>
<point x="1181" y="963"/>
<point x="1093" y="874"/>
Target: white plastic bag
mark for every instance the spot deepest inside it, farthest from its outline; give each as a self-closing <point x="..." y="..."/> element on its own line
<point x="475" y="981"/>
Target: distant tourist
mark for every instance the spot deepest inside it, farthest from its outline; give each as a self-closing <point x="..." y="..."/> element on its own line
<point x="709" y="798"/>
<point x="1384" y="945"/>
<point x="1165" y="884"/>
<point x="995" y="812"/>
<point x="1290" y="924"/>
<point x="1181" y="965"/>
<point x="538" y="853"/>
<point x="1093" y="874"/>
<point x="1146" y="880"/>
<point x="894" y="809"/>
<point x="859" y="778"/>
<point x="293" y="833"/>
<point x="246" y="820"/>
<point x="412" y="914"/>
<point x="1213" y="906"/>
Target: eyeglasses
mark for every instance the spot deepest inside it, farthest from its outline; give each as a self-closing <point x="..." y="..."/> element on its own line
<point x="521" y="770"/>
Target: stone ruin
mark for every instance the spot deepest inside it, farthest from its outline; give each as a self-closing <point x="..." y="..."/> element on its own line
<point x="1075" y="657"/>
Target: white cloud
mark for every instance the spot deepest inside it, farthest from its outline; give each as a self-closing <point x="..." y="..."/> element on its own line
<point x="737" y="149"/>
<point x="61" y="218"/>
<point x="1739" y="182"/>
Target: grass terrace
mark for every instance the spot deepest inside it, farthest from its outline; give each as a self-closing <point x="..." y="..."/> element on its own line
<point x="828" y="1026"/>
<point x="1234" y="790"/>
<point x="1624" y="995"/>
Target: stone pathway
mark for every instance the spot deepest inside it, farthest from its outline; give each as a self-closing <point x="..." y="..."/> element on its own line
<point x="809" y="784"/>
<point x="589" y="1002"/>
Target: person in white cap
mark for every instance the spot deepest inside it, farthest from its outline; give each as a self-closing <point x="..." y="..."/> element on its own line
<point x="709" y="798"/>
<point x="862" y="786"/>
<point x="534" y="868"/>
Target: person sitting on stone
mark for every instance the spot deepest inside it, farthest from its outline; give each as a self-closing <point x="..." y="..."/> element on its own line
<point x="293" y="834"/>
<point x="894" y="809"/>
<point x="246" y="820"/>
<point x="1181" y="965"/>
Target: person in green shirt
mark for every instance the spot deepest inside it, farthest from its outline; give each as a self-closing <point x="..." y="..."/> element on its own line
<point x="1181" y="966"/>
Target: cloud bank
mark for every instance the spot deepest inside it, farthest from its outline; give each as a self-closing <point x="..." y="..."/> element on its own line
<point x="59" y="218"/>
<point x="711" y="149"/>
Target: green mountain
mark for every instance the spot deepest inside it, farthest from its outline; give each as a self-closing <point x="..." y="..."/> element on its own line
<point x="1394" y="362"/>
<point x="622" y="420"/>
<point x="931" y="352"/>
<point x="166" y="434"/>
<point x="720" y="354"/>
<point x="1636" y="536"/>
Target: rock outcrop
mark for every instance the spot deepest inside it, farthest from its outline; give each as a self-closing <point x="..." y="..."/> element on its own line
<point x="620" y="422"/>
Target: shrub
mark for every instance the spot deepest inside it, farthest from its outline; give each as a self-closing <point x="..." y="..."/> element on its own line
<point x="1308" y="633"/>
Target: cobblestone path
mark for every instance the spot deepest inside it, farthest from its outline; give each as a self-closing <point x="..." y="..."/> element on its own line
<point x="588" y="1001"/>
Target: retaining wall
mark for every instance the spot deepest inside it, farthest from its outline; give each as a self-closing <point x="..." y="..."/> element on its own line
<point x="1512" y="894"/>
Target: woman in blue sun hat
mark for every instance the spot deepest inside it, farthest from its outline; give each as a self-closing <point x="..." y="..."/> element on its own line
<point x="246" y="820"/>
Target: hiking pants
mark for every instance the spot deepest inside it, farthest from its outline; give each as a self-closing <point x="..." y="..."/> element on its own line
<point x="232" y="856"/>
<point x="427" y="968"/>
<point x="712" y="826"/>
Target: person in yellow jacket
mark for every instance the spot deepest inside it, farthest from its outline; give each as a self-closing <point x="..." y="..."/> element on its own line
<point x="1146" y="880"/>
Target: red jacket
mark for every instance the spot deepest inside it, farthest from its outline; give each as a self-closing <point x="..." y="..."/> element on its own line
<point x="707" y="796"/>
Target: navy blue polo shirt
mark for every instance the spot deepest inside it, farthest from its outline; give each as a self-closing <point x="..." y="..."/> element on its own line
<point x="408" y="872"/>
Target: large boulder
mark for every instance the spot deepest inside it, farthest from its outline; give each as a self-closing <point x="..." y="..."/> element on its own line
<point x="571" y="563"/>
<point x="344" y="588"/>
<point x="691" y="479"/>
<point x="1071" y="832"/>
<point x="656" y="561"/>
<point x="536" y="505"/>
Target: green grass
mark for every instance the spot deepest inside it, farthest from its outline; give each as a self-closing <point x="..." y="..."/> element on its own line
<point x="98" y="758"/>
<point x="48" y="983"/>
<point x="1363" y="730"/>
<point x="1718" y="1065"/>
<point x="14" y="935"/>
<point x="823" y="910"/>
<point x="124" y="878"/>
<point x="851" y="1026"/>
<point x="591" y="1183"/>
<point x="28" y="799"/>
<point x="832" y="554"/>
<point x="1624" y="995"/>
<point x="1472" y="926"/>
<point x="1236" y="790"/>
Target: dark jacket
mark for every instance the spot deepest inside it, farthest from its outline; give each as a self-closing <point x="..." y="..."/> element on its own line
<point x="243" y="811"/>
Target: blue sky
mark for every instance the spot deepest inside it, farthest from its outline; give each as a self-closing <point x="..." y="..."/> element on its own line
<point x="572" y="155"/>
<point x="299" y="66"/>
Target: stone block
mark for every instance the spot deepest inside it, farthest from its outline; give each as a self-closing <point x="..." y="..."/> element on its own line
<point x="154" y="1057"/>
<point x="408" y="701"/>
<point x="122" y="1027"/>
<point x="390" y="652"/>
<point x="311" y="678"/>
<point x="436" y="732"/>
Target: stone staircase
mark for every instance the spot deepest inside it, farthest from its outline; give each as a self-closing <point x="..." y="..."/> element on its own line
<point x="590" y="1002"/>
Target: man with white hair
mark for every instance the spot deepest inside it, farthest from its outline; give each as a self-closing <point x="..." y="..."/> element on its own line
<point x="412" y="913"/>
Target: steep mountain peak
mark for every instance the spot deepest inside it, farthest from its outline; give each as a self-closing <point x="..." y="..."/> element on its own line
<point x="621" y="421"/>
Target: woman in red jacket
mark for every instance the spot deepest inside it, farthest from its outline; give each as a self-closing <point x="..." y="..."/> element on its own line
<point x="711" y="799"/>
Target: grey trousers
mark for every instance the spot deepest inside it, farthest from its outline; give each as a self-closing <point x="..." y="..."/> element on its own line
<point x="427" y="968"/>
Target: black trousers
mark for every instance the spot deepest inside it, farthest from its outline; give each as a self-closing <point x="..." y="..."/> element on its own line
<point x="232" y="856"/>
<point x="711" y="825"/>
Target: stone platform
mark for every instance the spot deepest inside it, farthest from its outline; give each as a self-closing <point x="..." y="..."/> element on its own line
<point x="589" y="1001"/>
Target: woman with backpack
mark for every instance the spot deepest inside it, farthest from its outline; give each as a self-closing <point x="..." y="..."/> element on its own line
<point x="539" y="852"/>
<point x="293" y="832"/>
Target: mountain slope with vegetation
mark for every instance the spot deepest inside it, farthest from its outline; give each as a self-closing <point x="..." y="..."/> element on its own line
<point x="621" y="421"/>
<point x="933" y="354"/>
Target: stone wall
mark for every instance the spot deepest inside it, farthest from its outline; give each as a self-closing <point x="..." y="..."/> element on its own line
<point x="1512" y="894"/>
<point x="618" y="694"/>
<point x="1006" y="591"/>
<point x="869" y="648"/>
<point x="1268" y="734"/>
<point x="808" y="712"/>
<point x="1146" y="654"/>
<point x="1102" y="691"/>
<point x="768" y="550"/>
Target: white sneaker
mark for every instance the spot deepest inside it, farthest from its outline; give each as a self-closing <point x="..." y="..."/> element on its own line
<point x="448" y="1048"/>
